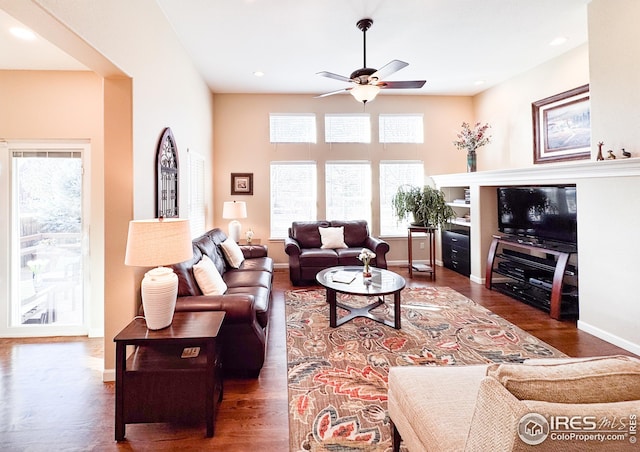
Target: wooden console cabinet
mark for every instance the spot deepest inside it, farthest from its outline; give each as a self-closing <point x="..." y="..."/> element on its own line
<point x="540" y="275"/>
<point x="456" y="250"/>
<point x="157" y="384"/>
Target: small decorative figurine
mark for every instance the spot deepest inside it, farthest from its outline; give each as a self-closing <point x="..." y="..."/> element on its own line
<point x="249" y="235"/>
<point x="611" y="155"/>
<point x="625" y="154"/>
<point x="600" y="157"/>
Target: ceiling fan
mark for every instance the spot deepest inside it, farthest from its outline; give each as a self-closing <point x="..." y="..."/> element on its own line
<point x="368" y="82"/>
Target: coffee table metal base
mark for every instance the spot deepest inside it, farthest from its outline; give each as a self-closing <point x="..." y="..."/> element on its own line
<point x="361" y="312"/>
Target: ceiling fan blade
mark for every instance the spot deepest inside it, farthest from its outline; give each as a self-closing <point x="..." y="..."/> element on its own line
<point x="402" y="85"/>
<point x="388" y="69"/>
<point x="343" y="90"/>
<point x="342" y="78"/>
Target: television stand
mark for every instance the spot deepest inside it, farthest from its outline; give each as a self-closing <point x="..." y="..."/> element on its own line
<point x="548" y="282"/>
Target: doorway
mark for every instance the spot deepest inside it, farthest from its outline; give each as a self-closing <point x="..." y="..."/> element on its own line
<point x="46" y="240"/>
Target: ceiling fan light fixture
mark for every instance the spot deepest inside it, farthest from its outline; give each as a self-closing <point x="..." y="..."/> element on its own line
<point x="365" y="93"/>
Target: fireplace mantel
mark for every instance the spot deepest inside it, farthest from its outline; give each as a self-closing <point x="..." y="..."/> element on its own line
<point x="569" y="172"/>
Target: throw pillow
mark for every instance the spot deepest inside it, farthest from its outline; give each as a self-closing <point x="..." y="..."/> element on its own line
<point x="594" y="380"/>
<point x="232" y="252"/>
<point x="208" y="278"/>
<point x="332" y="237"/>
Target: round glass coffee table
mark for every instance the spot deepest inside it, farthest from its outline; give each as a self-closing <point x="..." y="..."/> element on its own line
<point x="350" y="280"/>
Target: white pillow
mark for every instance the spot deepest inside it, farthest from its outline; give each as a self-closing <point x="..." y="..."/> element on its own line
<point x="208" y="278"/>
<point x="332" y="237"/>
<point x="232" y="252"/>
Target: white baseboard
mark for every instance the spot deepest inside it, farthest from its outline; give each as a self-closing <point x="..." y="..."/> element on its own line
<point x="611" y="338"/>
<point x="108" y="375"/>
<point x="96" y="332"/>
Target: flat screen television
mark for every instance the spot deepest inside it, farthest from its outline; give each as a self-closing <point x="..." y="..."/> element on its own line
<point x="542" y="213"/>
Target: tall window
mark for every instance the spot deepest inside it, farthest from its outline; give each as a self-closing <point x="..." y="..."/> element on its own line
<point x="401" y="128"/>
<point x="292" y="127"/>
<point x="348" y="190"/>
<point x="293" y="195"/>
<point x="393" y="174"/>
<point x="347" y="128"/>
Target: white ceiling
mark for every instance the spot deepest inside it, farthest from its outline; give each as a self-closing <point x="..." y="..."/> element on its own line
<point x="37" y="54"/>
<point x="450" y="43"/>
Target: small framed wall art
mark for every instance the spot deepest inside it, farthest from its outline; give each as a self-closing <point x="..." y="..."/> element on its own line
<point x="242" y="183"/>
<point x="562" y="127"/>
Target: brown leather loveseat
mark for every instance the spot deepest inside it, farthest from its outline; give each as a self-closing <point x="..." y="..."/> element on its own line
<point x="307" y="256"/>
<point x="246" y="301"/>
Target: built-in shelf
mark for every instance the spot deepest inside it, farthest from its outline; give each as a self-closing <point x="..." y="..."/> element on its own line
<point x="459" y="204"/>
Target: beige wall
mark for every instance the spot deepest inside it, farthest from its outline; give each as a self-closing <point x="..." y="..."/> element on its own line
<point x="608" y="212"/>
<point x="241" y="124"/>
<point x="133" y="40"/>
<point x="167" y="91"/>
<point x="62" y="105"/>
<point x="608" y="240"/>
<point x="507" y="107"/>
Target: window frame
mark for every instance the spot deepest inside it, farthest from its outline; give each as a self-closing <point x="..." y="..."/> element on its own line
<point x="330" y="118"/>
<point x="310" y="137"/>
<point x="275" y="234"/>
<point x="382" y="130"/>
<point x="386" y="210"/>
<point x="366" y="186"/>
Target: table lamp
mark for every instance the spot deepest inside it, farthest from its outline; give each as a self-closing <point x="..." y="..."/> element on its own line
<point x="233" y="210"/>
<point x="158" y="242"/>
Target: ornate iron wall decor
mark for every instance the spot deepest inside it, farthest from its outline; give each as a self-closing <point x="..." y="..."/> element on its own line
<point x="167" y="176"/>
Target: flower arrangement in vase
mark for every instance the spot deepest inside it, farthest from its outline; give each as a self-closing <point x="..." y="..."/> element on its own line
<point x="470" y="140"/>
<point x="365" y="256"/>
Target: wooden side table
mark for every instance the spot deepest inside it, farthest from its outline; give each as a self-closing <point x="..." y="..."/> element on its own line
<point x="160" y="381"/>
<point x="429" y="268"/>
<point x="254" y="241"/>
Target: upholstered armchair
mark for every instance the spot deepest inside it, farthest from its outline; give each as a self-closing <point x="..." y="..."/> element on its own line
<point x="510" y="407"/>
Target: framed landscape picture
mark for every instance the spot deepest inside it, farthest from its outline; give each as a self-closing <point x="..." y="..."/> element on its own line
<point x="562" y="127"/>
<point x="242" y="183"/>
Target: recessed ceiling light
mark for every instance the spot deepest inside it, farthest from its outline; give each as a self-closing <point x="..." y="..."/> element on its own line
<point x="479" y="82"/>
<point x="258" y="74"/>
<point x="23" y="33"/>
<point x="558" y="41"/>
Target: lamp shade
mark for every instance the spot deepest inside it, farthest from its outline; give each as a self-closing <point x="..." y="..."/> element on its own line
<point x="365" y="93"/>
<point x="233" y="210"/>
<point x="158" y="241"/>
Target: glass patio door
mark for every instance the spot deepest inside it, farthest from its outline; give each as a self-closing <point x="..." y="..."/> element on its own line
<point x="46" y="242"/>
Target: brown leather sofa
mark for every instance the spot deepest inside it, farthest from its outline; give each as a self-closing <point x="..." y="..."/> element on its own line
<point x="243" y="335"/>
<point x="307" y="258"/>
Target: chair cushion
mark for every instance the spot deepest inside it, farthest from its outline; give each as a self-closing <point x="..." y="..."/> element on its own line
<point x="232" y="252"/>
<point x="432" y="407"/>
<point x="320" y="258"/>
<point x="208" y="278"/>
<point x="332" y="238"/>
<point x="356" y="232"/>
<point x="306" y="233"/>
<point x="594" y="380"/>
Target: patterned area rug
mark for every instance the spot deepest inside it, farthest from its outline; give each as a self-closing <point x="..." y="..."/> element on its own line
<point x="338" y="376"/>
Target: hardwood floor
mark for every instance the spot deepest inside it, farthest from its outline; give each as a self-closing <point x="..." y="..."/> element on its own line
<point x="52" y="396"/>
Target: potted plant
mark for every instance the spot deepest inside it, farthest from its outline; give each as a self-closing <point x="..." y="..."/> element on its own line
<point x="426" y="204"/>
